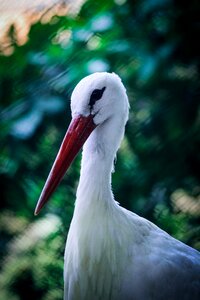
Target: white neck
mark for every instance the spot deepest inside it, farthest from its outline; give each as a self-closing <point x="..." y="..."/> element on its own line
<point x="94" y="190"/>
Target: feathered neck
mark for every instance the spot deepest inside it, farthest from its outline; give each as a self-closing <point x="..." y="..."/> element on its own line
<point x="94" y="190"/>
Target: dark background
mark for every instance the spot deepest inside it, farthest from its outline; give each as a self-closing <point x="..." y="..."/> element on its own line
<point x="154" y="47"/>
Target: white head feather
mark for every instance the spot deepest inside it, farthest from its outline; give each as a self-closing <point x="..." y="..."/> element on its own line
<point x="113" y="102"/>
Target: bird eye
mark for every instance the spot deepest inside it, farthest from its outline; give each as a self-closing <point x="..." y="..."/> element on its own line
<point x="96" y="95"/>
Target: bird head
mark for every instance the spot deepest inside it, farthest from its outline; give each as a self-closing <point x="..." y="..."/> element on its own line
<point x="95" y="99"/>
<point x="101" y="95"/>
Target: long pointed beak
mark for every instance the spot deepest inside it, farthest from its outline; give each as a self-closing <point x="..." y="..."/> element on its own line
<point x="79" y="130"/>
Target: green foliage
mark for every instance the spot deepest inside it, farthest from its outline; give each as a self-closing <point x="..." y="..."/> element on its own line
<point x="25" y="275"/>
<point x="153" y="47"/>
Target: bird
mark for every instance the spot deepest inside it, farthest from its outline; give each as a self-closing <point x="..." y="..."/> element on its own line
<point x="112" y="253"/>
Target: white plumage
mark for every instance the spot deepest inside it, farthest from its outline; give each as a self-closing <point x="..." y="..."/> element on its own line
<point x="112" y="253"/>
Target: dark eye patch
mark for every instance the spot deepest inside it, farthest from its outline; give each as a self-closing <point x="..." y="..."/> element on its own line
<point x="96" y="95"/>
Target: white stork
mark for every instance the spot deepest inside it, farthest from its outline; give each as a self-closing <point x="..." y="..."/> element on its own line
<point x="112" y="253"/>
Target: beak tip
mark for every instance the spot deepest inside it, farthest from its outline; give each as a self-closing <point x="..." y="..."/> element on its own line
<point x="35" y="213"/>
<point x="37" y="210"/>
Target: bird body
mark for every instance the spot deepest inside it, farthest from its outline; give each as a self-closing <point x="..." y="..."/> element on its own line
<point x="133" y="260"/>
<point x="112" y="253"/>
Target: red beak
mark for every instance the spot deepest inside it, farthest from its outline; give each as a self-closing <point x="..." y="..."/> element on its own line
<point x="79" y="130"/>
